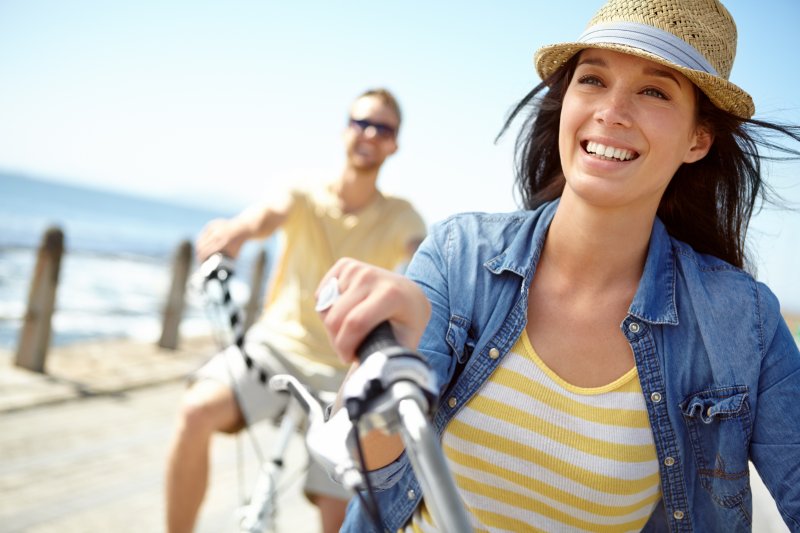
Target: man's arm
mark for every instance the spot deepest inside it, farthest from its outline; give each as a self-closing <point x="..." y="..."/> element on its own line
<point x="227" y="235"/>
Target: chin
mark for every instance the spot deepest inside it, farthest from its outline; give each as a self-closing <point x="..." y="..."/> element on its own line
<point x="360" y="164"/>
<point x="597" y="194"/>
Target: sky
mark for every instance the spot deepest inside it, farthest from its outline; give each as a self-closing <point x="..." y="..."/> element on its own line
<point x="219" y="103"/>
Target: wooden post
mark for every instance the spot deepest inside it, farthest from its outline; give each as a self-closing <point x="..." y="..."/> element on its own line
<point x="34" y="338"/>
<point x="256" y="289"/>
<point x="173" y="310"/>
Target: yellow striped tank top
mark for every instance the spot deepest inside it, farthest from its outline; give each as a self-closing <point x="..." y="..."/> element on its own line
<point x="530" y="452"/>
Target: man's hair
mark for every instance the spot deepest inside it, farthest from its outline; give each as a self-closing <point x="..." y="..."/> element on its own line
<point x="387" y="98"/>
<point x="707" y="204"/>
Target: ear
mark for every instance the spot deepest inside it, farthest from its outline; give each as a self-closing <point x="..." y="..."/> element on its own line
<point x="702" y="141"/>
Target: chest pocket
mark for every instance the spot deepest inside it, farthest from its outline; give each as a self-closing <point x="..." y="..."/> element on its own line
<point x="460" y="338"/>
<point x="719" y="425"/>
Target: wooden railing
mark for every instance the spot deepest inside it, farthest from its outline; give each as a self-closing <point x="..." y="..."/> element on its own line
<point x="35" y="332"/>
<point x="34" y="336"/>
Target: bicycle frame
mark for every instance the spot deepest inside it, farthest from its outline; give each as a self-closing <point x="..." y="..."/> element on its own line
<point x="390" y="391"/>
<point x="258" y="513"/>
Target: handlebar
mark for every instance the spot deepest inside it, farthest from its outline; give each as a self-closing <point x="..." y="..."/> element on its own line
<point x="220" y="268"/>
<point x="216" y="266"/>
<point x="391" y="390"/>
<point x="385" y="362"/>
<point x="379" y="339"/>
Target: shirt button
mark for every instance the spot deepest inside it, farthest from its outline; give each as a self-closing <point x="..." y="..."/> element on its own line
<point x="634" y="327"/>
<point x="452" y="402"/>
<point x="669" y="461"/>
<point x="656" y="397"/>
<point x="494" y="353"/>
<point x="411" y="494"/>
<point x="678" y="515"/>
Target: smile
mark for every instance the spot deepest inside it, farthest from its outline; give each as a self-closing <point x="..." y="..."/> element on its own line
<point x="609" y="153"/>
<point x="364" y="150"/>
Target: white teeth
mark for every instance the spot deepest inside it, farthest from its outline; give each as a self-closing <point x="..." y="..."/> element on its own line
<point x="608" y="152"/>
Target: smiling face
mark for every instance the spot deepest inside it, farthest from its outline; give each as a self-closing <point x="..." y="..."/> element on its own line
<point x="368" y="139"/>
<point x="626" y="126"/>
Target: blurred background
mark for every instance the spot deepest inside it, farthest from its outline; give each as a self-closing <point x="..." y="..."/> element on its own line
<point x="131" y="124"/>
<point x="139" y="121"/>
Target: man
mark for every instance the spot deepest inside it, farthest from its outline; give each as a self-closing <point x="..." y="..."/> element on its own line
<point x="349" y="217"/>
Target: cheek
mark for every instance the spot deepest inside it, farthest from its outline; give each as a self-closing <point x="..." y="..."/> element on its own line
<point x="567" y="126"/>
<point x="350" y="138"/>
<point x="674" y="142"/>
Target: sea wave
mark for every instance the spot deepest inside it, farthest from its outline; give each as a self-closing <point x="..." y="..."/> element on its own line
<point x="116" y="268"/>
<point x="101" y="296"/>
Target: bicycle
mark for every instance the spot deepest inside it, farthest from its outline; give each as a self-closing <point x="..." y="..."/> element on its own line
<point x="256" y="512"/>
<point x="392" y="391"/>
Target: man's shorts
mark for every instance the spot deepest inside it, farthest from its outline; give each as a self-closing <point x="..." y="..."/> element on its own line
<point x="258" y="401"/>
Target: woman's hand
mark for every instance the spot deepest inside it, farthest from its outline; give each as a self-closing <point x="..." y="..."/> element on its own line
<point x="368" y="295"/>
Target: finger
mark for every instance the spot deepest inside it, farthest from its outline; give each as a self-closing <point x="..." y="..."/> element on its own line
<point x="349" y="291"/>
<point x="364" y="315"/>
<point x="360" y="307"/>
<point x="205" y="244"/>
<point x="353" y="286"/>
<point x="206" y="247"/>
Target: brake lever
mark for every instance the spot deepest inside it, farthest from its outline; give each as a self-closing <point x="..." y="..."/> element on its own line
<point x="333" y="443"/>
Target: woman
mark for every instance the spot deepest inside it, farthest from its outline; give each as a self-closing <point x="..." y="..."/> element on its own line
<point x="606" y="362"/>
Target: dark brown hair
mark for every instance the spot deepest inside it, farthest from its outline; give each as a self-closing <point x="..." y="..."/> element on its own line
<point x="707" y="204"/>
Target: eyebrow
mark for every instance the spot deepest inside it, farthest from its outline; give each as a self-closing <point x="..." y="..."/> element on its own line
<point x="648" y="70"/>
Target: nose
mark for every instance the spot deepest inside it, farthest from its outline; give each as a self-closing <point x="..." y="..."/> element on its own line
<point x="615" y="109"/>
<point x="370" y="132"/>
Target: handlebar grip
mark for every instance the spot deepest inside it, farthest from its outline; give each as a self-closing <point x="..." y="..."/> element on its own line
<point x="377" y="375"/>
<point x="217" y="266"/>
<point x="379" y="339"/>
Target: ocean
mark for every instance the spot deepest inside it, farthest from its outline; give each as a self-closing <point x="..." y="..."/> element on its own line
<point x="116" y="269"/>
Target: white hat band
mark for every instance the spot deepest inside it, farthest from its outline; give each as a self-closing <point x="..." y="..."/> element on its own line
<point x="650" y="39"/>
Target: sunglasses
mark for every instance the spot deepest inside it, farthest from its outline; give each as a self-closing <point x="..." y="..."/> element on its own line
<point x="381" y="130"/>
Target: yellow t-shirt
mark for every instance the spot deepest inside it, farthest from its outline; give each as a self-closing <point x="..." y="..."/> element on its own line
<point x="316" y="233"/>
<point x="531" y="452"/>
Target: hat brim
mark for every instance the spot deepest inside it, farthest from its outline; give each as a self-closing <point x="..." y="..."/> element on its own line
<point x="722" y="93"/>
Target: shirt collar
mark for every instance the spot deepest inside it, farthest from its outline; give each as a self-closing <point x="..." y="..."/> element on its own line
<point x="522" y="254"/>
<point x="654" y="300"/>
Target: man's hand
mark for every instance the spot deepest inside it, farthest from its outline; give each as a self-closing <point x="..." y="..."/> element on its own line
<point x="220" y="235"/>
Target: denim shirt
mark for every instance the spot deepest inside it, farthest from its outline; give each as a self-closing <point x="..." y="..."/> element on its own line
<point x="718" y="366"/>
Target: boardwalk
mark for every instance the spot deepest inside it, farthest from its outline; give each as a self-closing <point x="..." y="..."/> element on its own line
<point x="82" y="449"/>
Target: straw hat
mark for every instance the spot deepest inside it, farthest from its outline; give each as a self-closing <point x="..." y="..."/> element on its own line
<point x="695" y="37"/>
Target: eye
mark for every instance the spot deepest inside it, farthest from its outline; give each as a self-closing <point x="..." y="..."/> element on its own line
<point x="590" y="79"/>
<point x="650" y="91"/>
